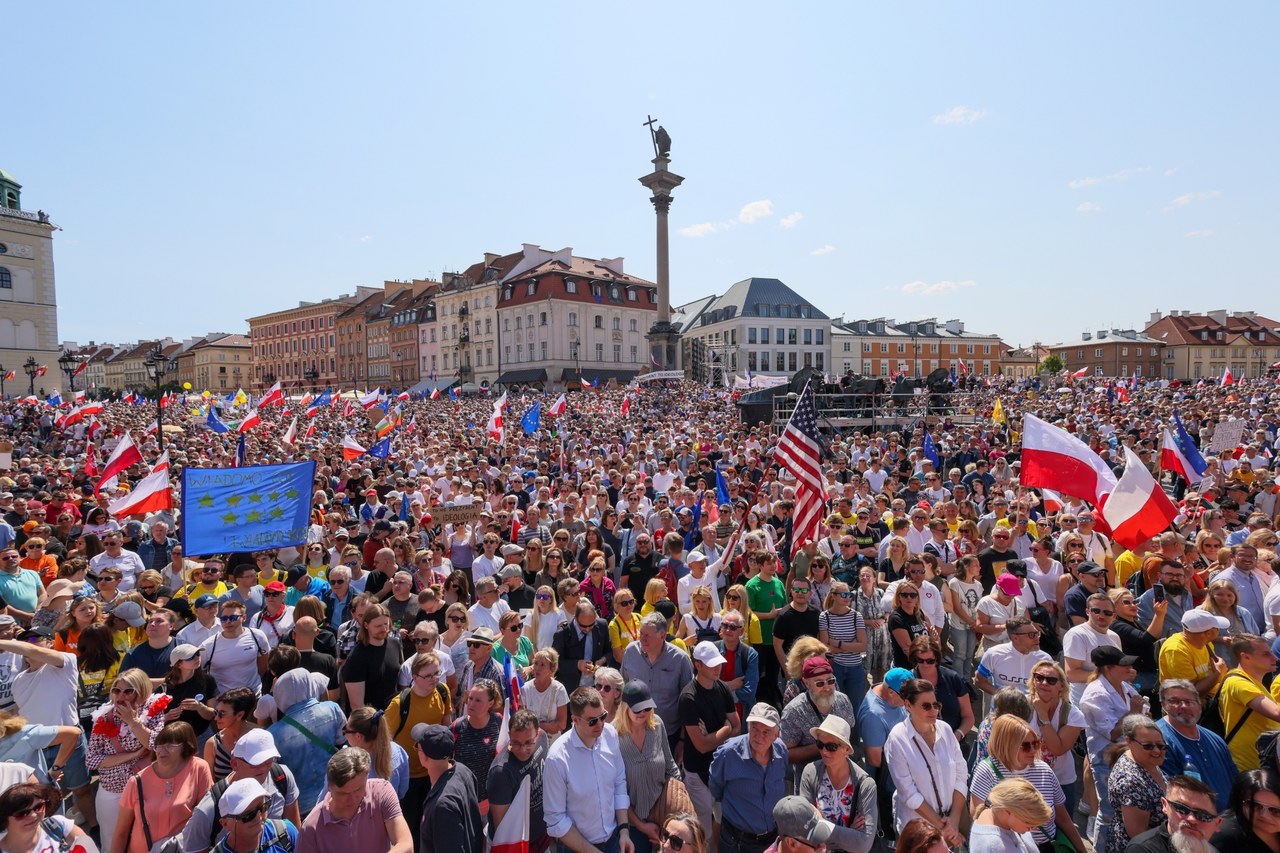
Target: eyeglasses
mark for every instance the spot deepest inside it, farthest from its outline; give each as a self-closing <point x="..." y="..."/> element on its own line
<point x="1035" y="634"/>
<point x="458" y="619"/>
<point x="1198" y="815"/>
<point x="1161" y="746"/>
<point x="421" y="641"/>
<point x="824" y="682"/>
<point x="605" y="688"/>
<point x="1170" y="703"/>
<point x="250" y="816"/>
<point x="272" y="594"/>
<point x="1273" y="811"/>
<point x="39" y="808"/>
<point x="828" y="746"/>
<point x="733" y="596"/>
<point x="803" y="590"/>
<point x="595" y="721"/>
<point x="1031" y="745"/>
<point x="1045" y="679"/>
<point x="231" y="617"/>
<point x="428" y="676"/>
<point x="930" y="706"/>
<point x="1098" y="611"/>
<point x="671" y="840"/>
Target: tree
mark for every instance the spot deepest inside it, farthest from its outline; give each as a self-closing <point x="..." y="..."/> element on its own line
<point x="1052" y="364"/>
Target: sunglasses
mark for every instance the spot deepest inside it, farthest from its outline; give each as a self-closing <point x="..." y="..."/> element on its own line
<point x="908" y="595"/>
<point x="595" y="721"/>
<point x="1031" y="745"/>
<point x="1098" y="611"/>
<point x="40" y="807"/>
<point x="458" y="619"/>
<point x="231" y="617"/>
<point x="671" y="840"/>
<point x="123" y="691"/>
<point x="1199" y="815"/>
<point x="828" y="746"/>
<point x="825" y="682"/>
<point x="930" y="706"/>
<point x="1046" y="679"/>
<point x="249" y="816"/>
<point x="927" y="661"/>
<point x="1162" y="747"/>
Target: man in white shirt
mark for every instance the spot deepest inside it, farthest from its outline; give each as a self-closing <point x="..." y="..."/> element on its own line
<point x="918" y="534"/>
<point x="699" y="575"/>
<point x="489" y="607"/>
<point x="115" y="557"/>
<point x="584" y="794"/>
<point x="206" y="625"/>
<point x="1009" y="664"/>
<point x="1079" y="642"/>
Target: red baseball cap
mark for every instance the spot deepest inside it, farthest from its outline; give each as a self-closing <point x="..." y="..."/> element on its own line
<point x="275" y="586"/>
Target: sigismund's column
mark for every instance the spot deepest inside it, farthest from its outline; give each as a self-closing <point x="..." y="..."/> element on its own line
<point x="663" y="335"/>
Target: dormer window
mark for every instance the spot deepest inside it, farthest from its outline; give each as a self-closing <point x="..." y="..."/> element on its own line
<point x="531" y="288"/>
<point x="570" y="285"/>
<point x="631" y="295"/>
<point x="506" y="293"/>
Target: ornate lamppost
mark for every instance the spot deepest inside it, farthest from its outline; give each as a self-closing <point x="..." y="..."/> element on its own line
<point x="157" y="366"/>
<point x="69" y="363"/>
<point x="31" y="367"/>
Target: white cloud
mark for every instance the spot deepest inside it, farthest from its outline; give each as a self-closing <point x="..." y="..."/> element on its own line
<point x="753" y="210"/>
<point x="1088" y="207"/>
<point x="937" y="288"/>
<point x="959" y="115"/>
<point x="1188" y="198"/>
<point x="823" y="250"/>
<point x="790" y="221"/>
<point x="366" y="238"/>
<point x="1169" y="173"/>
<point x="1201" y="232"/>
<point x="1094" y="180"/>
<point x="702" y="229"/>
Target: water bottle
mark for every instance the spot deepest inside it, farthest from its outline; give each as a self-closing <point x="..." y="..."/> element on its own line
<point x="1190" y="769"/>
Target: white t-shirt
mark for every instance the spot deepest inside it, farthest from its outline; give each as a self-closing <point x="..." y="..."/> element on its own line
<point x="930" y="602"/>
<point x="1064" y="766"/>
<point x="1048" y="580"/>
<point x="999" y="614"/>
<point x="1004" y="666"/>
<point x="545" y="704"/>
<point x="10" y="665"/>
<point x="234" y="662"/>
<point x="48" y="695"/>
<point x="686" y="584"/>
<point x="275" y="630"/>
<point x="482" y="617"/>
<point x="1078" y="644"/>
<point x="196" y="634"/>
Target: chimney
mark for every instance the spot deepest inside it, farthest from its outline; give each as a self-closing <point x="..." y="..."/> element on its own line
<point x="1087" y="336"/>
<point x="1218" y="316"/>
<point x="955" y="327"/>
<point x="614" y="265"/>
<point x="490" y="257"/>
<point x="1102" y="333"/>
<point x="1156" y="315"/>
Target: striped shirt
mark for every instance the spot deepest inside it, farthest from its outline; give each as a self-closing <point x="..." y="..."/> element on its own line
<point x="989" y="771"/>
<point x="843" y="629"/>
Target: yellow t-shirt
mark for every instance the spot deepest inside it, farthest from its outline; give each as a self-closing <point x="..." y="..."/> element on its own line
<point x="433" y="709"/>
<point x="192" y="592"/>
<point x="752" y="635"/>
<point x="1180" y="659"/>
<point x="621" y="634"/>
<point x="1238" y="690"/>
<point x="1127" y="564"/>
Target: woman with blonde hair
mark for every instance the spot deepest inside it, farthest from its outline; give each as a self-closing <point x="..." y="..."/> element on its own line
<point x="654" y="591"/>
<point x="894" y="565"/>
<point x="84" y="611"/>
<point x="453" y="640"/>
<point x="1015" y="808"/>
<point x="702" y="622"/>
<point x="1221" y="599"/>
<point x="735" y="598"/>
<point x="624" y="627"/>
<point x="512" y="643"/>
<point x="1058" y="723"/>
<point x="544" y="621"/>
<point x="367" y="729"/>
<point x="1013" y="752"/>
<point x="120" y="741"/>
<point x="653" y="777"/>
<point x="609" y="686"/>
<point x="544" y="695"/>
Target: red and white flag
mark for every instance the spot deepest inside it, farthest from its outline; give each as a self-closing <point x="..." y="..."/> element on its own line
<point x="1053" y="458"/>
<point x="512" y="835"/>
<point x="557" y="408"/>
<point x="92" y="429"/>
<point x="351" y="450"/>
<point x="496" y="431"/>
<point x="79" y="397"/>
<point x="274" y="395"/>
<point x="152" y="428"/>
<point x="311" y="430"/>
<point x="1080" y="374"/>
<point x="1052" y="501"/>
<point x="435" y="393"/>
<point x="626" y="405"/>
<point x="1227" y="378"/>
<point x="371" y="399"/>
<point x="291" y="434"/>
<point x="403" y="395"/>
<point x="964" y="368"/>
<point x="152" y="494"/>
<point x="585" y="383"/>
<point x="91" y="460"/>
<point x="125" y="454"/>
<point x="1137" y="507"/>
<point x="250" y="421"/>
<point x="348" y="410"/>
<point x="161" y="463"/>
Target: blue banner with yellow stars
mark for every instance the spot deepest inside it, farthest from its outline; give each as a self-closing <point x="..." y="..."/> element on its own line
<point x="245" y="509"/>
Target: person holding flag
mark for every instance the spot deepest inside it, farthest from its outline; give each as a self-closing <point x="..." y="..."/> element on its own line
<point x="517" y="822"/>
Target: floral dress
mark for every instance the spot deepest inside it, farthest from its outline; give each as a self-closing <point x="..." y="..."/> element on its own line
<point x="110" y="736"/>
<point x="879" y="656"/>
<point x="1130" y="785"/>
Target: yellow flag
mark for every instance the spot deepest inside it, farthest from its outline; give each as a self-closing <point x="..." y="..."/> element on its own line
<point x="997" y="412"/>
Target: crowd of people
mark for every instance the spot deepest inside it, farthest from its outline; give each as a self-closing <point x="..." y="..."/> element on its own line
<point x="627" y="646"/>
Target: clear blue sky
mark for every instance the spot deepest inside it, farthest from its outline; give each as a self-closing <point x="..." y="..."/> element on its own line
<point x="1032" y="169"/>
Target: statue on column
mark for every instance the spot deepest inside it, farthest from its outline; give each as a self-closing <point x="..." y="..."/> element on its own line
<point x="661" y="139"/>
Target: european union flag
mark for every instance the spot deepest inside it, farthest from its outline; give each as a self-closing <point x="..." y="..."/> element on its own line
<point x="382" y="449"/>
<point x="215" y="423"/>
<point x="722" y="488"/>
<point x="931" y="451"/>
<point x="246" y="509"/>
<point x="532" y="419"/>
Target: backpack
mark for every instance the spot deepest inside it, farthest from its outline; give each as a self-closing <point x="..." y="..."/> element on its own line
<point x="1211" y="716"/>
<point x="406" y="698"/>
<point x="279" y="836"/>
<point x="704" y="632"/>
<point x="1050" y="642"/>
<point x="277" y="779"/>
<point x="1267" y="749"/>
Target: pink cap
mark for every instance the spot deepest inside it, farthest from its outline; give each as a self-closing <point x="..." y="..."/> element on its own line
<point x="1008" y="584"/>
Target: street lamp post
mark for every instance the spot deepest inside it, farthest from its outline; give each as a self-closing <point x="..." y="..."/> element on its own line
<point x="3" y="373"/>
<point x="157" y="365"/>
<point x="311" y="375"/>
<point x="31" y="367"/>
<point x="69" y="363"/>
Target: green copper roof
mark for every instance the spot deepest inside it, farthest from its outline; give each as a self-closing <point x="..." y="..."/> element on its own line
<point x="5" y="176"/>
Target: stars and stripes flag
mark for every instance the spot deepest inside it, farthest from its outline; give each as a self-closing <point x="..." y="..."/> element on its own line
<point x="800" y="452"/>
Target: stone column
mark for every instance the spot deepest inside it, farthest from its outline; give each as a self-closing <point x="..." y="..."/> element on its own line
<point x="663" y="336"/>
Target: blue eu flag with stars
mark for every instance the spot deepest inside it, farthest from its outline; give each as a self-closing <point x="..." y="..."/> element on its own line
<point x="246" y="509"/>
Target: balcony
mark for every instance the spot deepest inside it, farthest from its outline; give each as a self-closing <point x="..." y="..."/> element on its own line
<point x="464" y="310"/>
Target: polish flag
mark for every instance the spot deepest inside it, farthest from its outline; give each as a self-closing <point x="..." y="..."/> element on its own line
<point x="435" y="393"/>
<point x="152" y="494"/>
<point x="495" y="430"/>
<point x="337" y="399"/>
<point x="626" y="406"/>
<point x="79" y="397"/>
<point x="557" y="408"/>
<point x="585" y="383"/>
<point x="964" y="368"/>
<point x="161" y="463"/>
<point x="91" y="461"/>
<point x="348" y="410"/>
<point x="1227" y="378"/>
<point x="1052" y="458"/>
<point x="311" y="430"/>
<point x="371" y="399"/>
<point x="1052" y="501"/>
<point x="93" y="407"/>
<point x="125" y="454"/>
<point x="1080" y="374"/>
<point x="250" y="421"/>
<point x="403" y="395"/>
<point x="1137" y="508"/>
<point x="291" y="434"/>
<point x="152" y="428"/>
<point x="274" y="395"/>
<point x="512" y="835"/>
<point x="92" y="429"/>
<point x="351" y="450"/>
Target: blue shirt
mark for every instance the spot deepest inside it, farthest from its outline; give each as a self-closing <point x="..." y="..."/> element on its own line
<point x="1209" y="754"/>
<point x="1178" y="604"/>
<point x="746" y="789"/>
<point x="6" y="535"/>
<point x="1249" y="593"/>
<point x="583" y="786"/>
<point x="21" y="589"/>
<point x="270" y="842"/>
<point x="302" y="755"/>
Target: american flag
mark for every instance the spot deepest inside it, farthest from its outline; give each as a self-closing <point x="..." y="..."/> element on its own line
<point x="800" y="452"/>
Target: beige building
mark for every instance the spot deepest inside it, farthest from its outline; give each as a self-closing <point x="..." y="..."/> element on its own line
<point x="28" y="297"/>
<point x="1200" y="346"/>
<point x="217" y="362"/>
<point x="467" y="325"/>
<point x="1022" y="362"/>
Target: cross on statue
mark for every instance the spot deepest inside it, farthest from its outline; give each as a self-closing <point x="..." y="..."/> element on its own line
<point x="661" y="139"/>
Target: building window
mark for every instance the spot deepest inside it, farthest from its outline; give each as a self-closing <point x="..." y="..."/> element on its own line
<point x="542" y="319"/>
<point x="519" y="322"/>
<point x="818" y="336"/>
<point x="6" y="278"/>
<point x="617" y="353"/>
<point x="507" y="351"/>
<point x="751" y="335"/>
<point x="635" y="354"/>
<point x="791" y="337"/>
<point x="570" y="286"/>
<point x="617" y="324"/>
<point x="599" y="321"/>
<point x="780" y="362"/>
<point x="808" y="359"/>
<point x="632" y="325"/>
<point x="599" y="352"/>
<point x="764" y="335"/>
<point x="1125" y="351"/>
<point x="751" y="362"/>
<point x="791" y="360"/>
<point x="819" y="360"/>
<point x="531" y="288"/>
<point x="808" y="338"/>
<point x="631" y="295"/>
<point x="1097" y="352"/>
<point x="902" y="348"/>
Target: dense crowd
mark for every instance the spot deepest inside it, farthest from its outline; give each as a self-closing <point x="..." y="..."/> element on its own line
<point x="629" y="647"/>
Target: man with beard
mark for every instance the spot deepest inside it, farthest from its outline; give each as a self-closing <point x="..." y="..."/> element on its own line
<point x="1192" y="820"/>
<point x="640" y="567"/>
<point x="995" y="559"/>
<point x="1193" y="748"/>
<point x="810" y="708"/>
<point x="1174" y="578"/>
